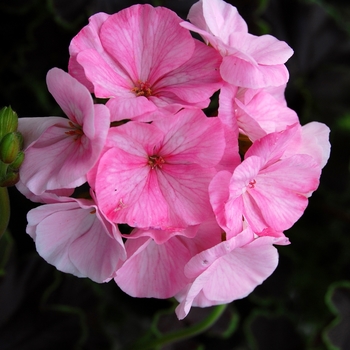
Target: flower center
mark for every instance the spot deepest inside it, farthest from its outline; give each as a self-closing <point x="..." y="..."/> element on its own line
<point x="155" y="161"/>
<point x="251" y="183"/>
<point x="142" y="89"/>
<point x="76" y="131"/>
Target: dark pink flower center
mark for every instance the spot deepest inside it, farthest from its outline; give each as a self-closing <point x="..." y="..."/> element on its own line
<point x="142" y="89"/>
<point x="251" y="183"/>
<point x="155" y="161"/>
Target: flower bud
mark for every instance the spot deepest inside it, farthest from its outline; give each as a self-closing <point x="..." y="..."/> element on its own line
<point x="10" y="145"/>
<point x="8" y="121"/>
<point x="15" y="165"/>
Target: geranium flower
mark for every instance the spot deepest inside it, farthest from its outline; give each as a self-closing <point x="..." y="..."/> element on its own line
<point x="256" y="112"/>
<point x="270" y="188"/>
<point x="60" y="151"/>
<point x="141" y="59"/>
<point x="248" y="60"/>
<point x="227" y="271"/>
<point x="157" y="175"/>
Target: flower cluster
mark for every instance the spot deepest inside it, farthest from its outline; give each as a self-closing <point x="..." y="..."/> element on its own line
<point x="144" y="187"/>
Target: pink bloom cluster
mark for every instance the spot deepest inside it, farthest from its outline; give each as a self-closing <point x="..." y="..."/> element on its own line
<point x="204" y="199"/>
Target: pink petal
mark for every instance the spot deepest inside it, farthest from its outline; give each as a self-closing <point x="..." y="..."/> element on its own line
<point x="315" y="142"/>
<point x="32" y="128"/>
<point x="74" y="98"/>
<point x="196" y="80"/>
<point x="219" y="195"/>
<point x="71" y="237"/>
<point x="228" y="271"/>
<point x="191" y="137"/>
<point x="152" y="270"/>
<point x="246" y="74"/>
<point x="154" y="55"/>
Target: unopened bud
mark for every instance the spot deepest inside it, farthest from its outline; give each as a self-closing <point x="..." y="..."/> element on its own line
<point x="10" y="145"/>
<point x="15" y="165"/>
<point x="8" y="121"/>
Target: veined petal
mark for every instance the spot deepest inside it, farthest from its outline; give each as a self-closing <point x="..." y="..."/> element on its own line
<point x="191" y="137"/>
<point x="197" y="79"/>
<point x="71" y="237"/>
<point x="144" y="53"/>
<point x="73" y="97"/>
<point x="153" y="270"/>
<point x="242" y="73"/>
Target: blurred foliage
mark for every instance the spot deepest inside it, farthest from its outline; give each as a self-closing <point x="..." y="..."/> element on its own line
<point x="303" y="305"/>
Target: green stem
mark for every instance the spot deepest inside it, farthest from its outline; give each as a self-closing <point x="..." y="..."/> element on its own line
<point x="4" y="209"/>
<point x="188" y="332"/>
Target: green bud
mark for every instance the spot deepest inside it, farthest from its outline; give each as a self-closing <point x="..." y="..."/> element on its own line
<point x="10" y="145"/>
<point x="8" y="121"/>
<point x="15" y="165"/>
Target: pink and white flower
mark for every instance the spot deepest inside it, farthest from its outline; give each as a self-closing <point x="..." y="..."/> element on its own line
<point x="228" y="271"/>
<point x="157" y="175"/>
<point x="248" y="60"/>
<point x="159" y="65"/>
<point x="60" y="151"/>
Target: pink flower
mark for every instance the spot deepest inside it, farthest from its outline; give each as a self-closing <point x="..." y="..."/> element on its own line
<point x="228" y="271"/>
<point x="141" y="59"/>
<point x="157" y="175"/>
<point x="248" y="61"/>
<point x="75" y="237"/>
<point x="59" y="151"/>
<point x="156" y="259"/>
<point x="269" y="189"/>
<point x="256" y="112"/>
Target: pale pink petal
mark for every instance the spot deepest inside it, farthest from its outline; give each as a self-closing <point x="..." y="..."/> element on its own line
<point x="228" y="271"/>
<point x="152" y="270"/>
<point x="64" y="159"/>
<point x="265" y="49"/>
<point x="273" y="146"/>
<point x="45" y="197"/>
<point x="32" y="128"/>
<point x="263" y="115"/>
<point x="221" y="18"/>
<point x="315" y="142"/>
<point x="59" y="165"/>
<point x="71" y="237"/>
<point x="246" y="74"/>
<point x="88" y="37"/>
<point x="74" y="98"/>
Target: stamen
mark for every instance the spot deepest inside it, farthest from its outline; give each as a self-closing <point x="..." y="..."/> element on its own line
<point x="251" y="183"/>
<point x="143" y="89"/>
<point x="155" y="161"/>
<point x="77" y="131"/>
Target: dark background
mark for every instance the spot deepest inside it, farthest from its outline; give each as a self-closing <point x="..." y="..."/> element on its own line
<point x="305" y="304"/>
